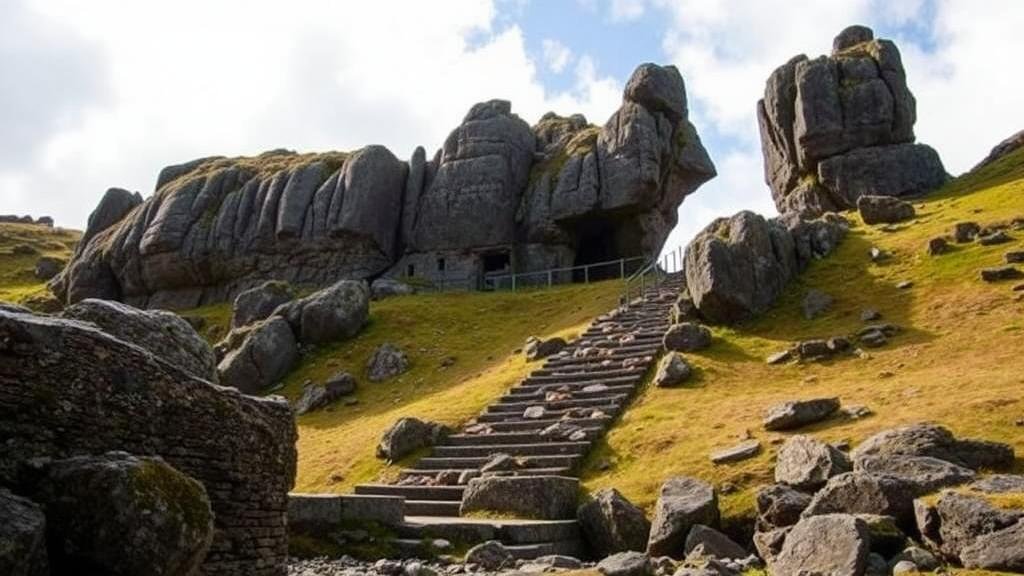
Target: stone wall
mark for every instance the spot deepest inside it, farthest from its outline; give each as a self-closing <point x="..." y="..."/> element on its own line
<point x="67" y="389"/>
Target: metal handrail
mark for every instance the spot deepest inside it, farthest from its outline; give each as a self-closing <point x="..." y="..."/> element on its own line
<point x="661" y="266"/>
<point x="495" y="281"/>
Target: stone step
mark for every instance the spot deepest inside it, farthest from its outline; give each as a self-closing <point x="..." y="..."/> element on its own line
<point x="564" y="377"/>
<point x="492" y="418"/>
<point x="599" y="424"/>
<point x="432" y="508"/>
<point x="614" y="344"/>
<point x="496" y="439"/>
<point x="537" y="449"/>
<point x="476" y="530"/>
<point x="517" y="406"/>
<point x="555" y="381"/>
<point x="473" y="462"/>
<point x="431" y="472"/>
<point x="448" y="493"/>
<point x="599" y="361"/>
<point x="577" y="391"/>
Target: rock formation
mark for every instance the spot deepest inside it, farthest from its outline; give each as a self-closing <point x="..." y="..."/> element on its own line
<point x="499" y="195"/>
<point x="841" y="126"/>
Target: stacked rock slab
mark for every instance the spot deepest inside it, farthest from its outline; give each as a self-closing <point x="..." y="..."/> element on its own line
<point x="499" y="195"/>
<point x="841" y="126"/>
<point x="67" y="389"/>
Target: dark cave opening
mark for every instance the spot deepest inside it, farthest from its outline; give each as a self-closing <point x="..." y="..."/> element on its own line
<point x="605" y="240"/>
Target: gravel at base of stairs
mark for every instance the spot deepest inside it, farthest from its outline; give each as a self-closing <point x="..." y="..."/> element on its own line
<point x="346" y="566"/>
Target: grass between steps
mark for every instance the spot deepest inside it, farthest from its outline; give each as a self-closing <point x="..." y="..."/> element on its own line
<point x="957" y="362"/>
<point x="481" y="331"/>
<point x="18" y="282"/>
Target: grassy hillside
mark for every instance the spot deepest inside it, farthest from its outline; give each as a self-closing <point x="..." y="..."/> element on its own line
<point x="958" y="360"/>
<point x="480" y="331"/>
<point x="21" y="245"/>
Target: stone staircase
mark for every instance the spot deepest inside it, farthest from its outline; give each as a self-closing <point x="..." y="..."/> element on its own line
<point x="587" y="385"/>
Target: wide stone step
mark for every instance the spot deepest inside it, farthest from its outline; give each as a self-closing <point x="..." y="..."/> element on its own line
<point x="448" y="493"/>
<point x="555" y="381"/>
<point x="565" y="377"/>
<point x="537" y="449"/>
<point x="518" y="406"/>
<point x="600" y="361"/>
<point x="577" y="390"/>
<point x="599" y="424"/>
<point x="492" y="418"/>
<point x="476" y="530"/>
<point x="495" y="439"/>
<point x="550" y="471"/>
<point x="431" y="508"/>
<point x="472" y="462"/>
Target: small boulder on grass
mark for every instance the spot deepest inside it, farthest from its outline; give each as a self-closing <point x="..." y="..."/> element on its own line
<point x="884" y="209"/>
<point x="537" y="348"/>
<point x="687" y="337"/>
<point x="815" y="303"/>
<point x="797" y="413"/>
<point x="672" y="371"/>
<point x="387" y="361"/>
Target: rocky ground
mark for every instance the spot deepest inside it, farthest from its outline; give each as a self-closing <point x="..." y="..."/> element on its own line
<point x="348" y="566"/>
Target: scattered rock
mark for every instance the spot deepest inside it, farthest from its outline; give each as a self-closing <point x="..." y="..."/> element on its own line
<point x="491" y="555"/>
<point x="408" y="435"/>
<point x="769" y="543"/>
<point x="919" y="558"/>
<point x="673" y="370"/>
<point x="904" y="285"/>
<point x="884" y="209"/>
<point x="22" y="537"/>
<point x="120" y="514"/>
<point x="316" y="396"/>
<point x="1001" y="273"/>
<point x="23" y="250"/>
<point x="780" y="357"/>
<point x="47" y="267"/>
<point x="862" y="493"/>
<point x="833" y="544"/>
<point x="937" y="442"/>
<point x="385" y="287"/>
<point x="856" y="412"/>
<point x="807" y="464"/>
<point x="779" y="506"/>
<point x="965" y="231"/>
<point x="687" y="337"/>
<point x="337" y="312"/>
<point x="682" y="503"/>
<point x="1000" y="484"/>
<point x="924" y="473"/>
<point x="626" y="564"/>
<point x="534" y="412"/>
<point x="798" y="413"/>
<point x="540" y="497"/>
<point x="260" y="302"/>
<point x="1014" y="257"/>
<point x="258" y="356"/>
<point x="870" y="315"/>
<point x="970" y="529"/>
<point x="703" y="541"/>
<point x="938" y="246"/>
<point x="737" y="453"/>
<point x="815" y="303"/>
<point x="611" y="524"/>
<point x="877" y="254"/>
<point x="387" y="361"/>
<point x="536" y="348"/>
<point x="997" y="237"/>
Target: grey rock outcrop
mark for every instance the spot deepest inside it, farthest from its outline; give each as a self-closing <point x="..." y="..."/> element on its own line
<point x="611" y="524"/>
<point x="125" y="515"/>
<point x="834" y="544"/>
<point x="260" y="302"/>
<point x="686" y="337"/>
<point x="806" y="463"/>
<point x="779" y="506"/>
<point x="258" y="355"/>
<point x="498" y="191"/>
<point x="837" y="127"/>
<point x="1008" y="146"/>
<point x="336" y="312"/>
<point x="972" y="531"/>
<point x="682" y="503"/>
<point x="165" y="334"/>
<point x="862" y="493"/>
<point x="924" y="473"/>
<point x="703" y="541"/>
<point x="22" y="537"/>
<point x="490" y="555"/>
<point x="387" y="361"/>
<point x="737" y="267"/>
<point x="673" y="369"/>
<point x="937" y="442"/>
<point x="47" y="267"/>
<point x="626" y="564"/>
<point x="540" y="497"/>
<point x="797" y="413"/>
<point x="884" y="209"/>
<point x="408" y="435"/>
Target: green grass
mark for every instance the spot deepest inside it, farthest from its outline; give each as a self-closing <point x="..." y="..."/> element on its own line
<point x="481" y="331"/>
<point x="18" y="282"/>
<point x="957" y="362"/>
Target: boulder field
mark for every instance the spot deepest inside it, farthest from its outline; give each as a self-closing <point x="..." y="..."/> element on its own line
<point x="498" y="195"/>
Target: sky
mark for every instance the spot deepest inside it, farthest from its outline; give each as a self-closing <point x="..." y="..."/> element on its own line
<point x="105" y="93"/>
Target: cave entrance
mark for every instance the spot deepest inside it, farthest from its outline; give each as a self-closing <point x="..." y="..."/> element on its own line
<point x="494" y="265"/>
<point x="601" y="242"/>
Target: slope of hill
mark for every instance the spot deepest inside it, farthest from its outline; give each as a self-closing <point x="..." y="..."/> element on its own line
<point x="21" y="245"/>
<point x="957" y="360"/>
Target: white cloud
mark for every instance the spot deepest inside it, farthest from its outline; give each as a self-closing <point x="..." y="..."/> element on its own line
<point x="626" y="10"/>
<point x="556" y="55"/>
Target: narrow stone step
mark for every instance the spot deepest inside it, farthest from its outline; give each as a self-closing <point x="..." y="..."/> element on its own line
<point x="492" y="418"/>
<point x="432" y="508"/>
<point x="551" y="471"/>
<point x="472" y="462"/>
<point x="518" y="406"/>
<point x="632" y="378"/>
<point x="536" y="449"/>
<point x="577" y="390"/>
<point x="448" y="493"/>
<point x="537" y="425"/>
<point x="617" y="357"/>
<point x="496" y="439"/>
<point x="564" y="377"/>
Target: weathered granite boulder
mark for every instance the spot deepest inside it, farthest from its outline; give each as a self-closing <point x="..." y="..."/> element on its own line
<point x="703" y="541"/>
<point x="1002" y="149"/>
<point x="258" y="356"/>
<point x="628" y="563"/>
<point x="125" y="515"/>
<point x="47" y="267"/>
<point x="884" y="209"/>
<point x="165" y="334"/>
<point x="686" y="337"/>
<point x="837" y="127"/>
<point x="334" y="313"/>
<point x="833" y="544"/>
<point x="682" y="503"/>
<point x="316" y="396"/>
<point x="408" y="435"/>
<point x="806" y="463"/>
<point x="22" y="537"/>
<point x="862" y="493"/>
<point x="611" y="524"/>
<point x="490" y="555"/>
<point x="673" y="370"/>
<point x="737" y="267"/>
<point x="540" y="497"/>
<point x="538" y="348"/>
<point x="969" y="529"/>
<point x="924" y="473"/>
<point x="387" y="361"/>
<point x="260" y="302"/>
<point x="71" y="389"/>
<point x="797" y="413"/>
<point x="937" y="442"/>
<point x="388" y="287"/>
<point x="779" y="505"/>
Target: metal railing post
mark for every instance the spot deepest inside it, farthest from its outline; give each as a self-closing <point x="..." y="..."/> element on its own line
<point x="549" y="278"/>
<point x="513" y="282"/>
<point x="622" y="268"/>
<point x="586" y="274"/>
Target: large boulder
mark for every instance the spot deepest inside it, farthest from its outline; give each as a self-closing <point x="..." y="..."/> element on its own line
<point x="837" y="127"/>
<point x="686" y="337"/>
<point x="937" y="442"/>
<point x="833" y="544"/>
<point x="673" y="369"/>
<point x="779" y="506"/>
<point x="260" y="302"/>
<point x="737" y="267"/>
<point x="22" y="537"/>
<point x="969" y="529"/>
<point x="408" y="435"/>
<point x="924" y="473"/>
<point x="540" y="497"/>
<point x="334" y="313"/>
<point x="806" y="463"/>
<point x="165" y="334"/>
<point x="626" y="564"/>
<point x="611" y="524"/>
<point x="884" y="209"/>
<point x="490" y="555"/>
<point x="258" y="356"/>
<point x="682" y="503"/>
<point x="703" y="541"/>
<point x="125" y="515"/>
<point x="861" y="493"/>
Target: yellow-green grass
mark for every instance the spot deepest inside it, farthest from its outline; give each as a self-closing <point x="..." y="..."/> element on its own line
<point x="959" y="360"/>
<point x="481" y="331"/>
<point x="18" y="282"/>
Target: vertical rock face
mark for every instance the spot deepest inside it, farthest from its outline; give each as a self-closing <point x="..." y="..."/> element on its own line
<point x="840" y="126"/>
<point x="498" y="196"/>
